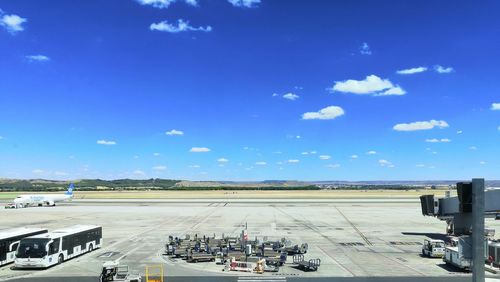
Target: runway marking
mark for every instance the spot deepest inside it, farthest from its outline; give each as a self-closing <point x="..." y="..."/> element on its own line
<point x="338" y="263"/>
<point x="128" y="253"/>
<point x="355" y="228"/>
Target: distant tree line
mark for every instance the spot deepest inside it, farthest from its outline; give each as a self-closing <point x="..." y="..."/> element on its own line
<point x="38" y="185"/>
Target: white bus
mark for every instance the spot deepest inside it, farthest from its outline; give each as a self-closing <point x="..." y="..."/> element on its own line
<point x="9" y="240"/>
<point x="45" y="250"/>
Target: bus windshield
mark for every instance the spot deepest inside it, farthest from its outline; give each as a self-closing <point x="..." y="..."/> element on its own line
<point x="32" y="248"/>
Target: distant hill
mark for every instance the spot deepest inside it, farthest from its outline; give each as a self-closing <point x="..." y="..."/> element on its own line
<point x="171" y="184"/>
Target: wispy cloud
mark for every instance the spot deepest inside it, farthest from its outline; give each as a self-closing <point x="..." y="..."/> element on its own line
<point x="412" y="70"/>
<point x="371" y="152"/>
<point x="159" y="168"/>
<point x="371" y="85"/>
<point x="38" y="171"/>
<point x="472" y="148"/>
<point x="106" y="142"/>
<point x="199" y="150"/>
<point x="441" y="69"/>
<point x="364" y="49"/>
<point x="436" y="140"/>
<point x="385" y="163"/>
<point x="420" y="125"/>
<point x="325" y="157"/>
<point x="330" y="112"/>
<point x="174" y="132"/>
<point x="181" y="26"/>
<point x="495" y="107"/>
<point x="12" y="23"/>
<point x="194" y="166"/>
<point x="293" y="161"/>
<point x="333" y="165"/>
<point x="260" y="163"/>
<point x="163" y="4"/>
<point x="244" y="3"/>
<point x="222" y="160"/>
<point x="37" y="58"/>
<point x="138" y="172"/>
<point x="354" y="157"/>
<point x="291" y="96"/>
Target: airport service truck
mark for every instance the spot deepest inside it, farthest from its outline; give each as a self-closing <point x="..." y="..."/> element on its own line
<point x="459" y="254"/>
<point x="433" y="248"/>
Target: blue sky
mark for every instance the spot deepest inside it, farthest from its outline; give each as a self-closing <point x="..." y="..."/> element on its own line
<point x="249" y="90"/>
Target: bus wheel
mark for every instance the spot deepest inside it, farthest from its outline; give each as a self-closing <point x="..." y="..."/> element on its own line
<point x="91" y="248"/>
<point x="60" y="259"/>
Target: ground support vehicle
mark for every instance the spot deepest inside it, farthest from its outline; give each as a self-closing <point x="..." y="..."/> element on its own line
<point x="309" y="265"/>
<point x="433" y="248"/>
<point x="112" y="271"/>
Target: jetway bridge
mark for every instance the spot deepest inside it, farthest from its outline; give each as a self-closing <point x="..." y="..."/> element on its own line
<point x="457" y="211"/>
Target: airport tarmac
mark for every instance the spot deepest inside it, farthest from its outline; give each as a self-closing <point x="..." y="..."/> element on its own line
<point x="353" y="239"/>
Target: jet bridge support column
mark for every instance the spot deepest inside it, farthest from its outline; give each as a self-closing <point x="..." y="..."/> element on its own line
<point x="477" y="230"/>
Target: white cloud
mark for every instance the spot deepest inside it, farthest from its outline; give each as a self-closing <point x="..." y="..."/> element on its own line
<point x="420" y="165"/>
<point x="291" y="96"/>
<point x="180" y="27"/>
<point x="304" y="153"/>
<point x="325" y="157"/>
<point x="260" y="163"/>
<point x="385" y="163"/>
<point x="1" y="137"/>
<point x="191" y="2"/>
<point x="293" y="161"/>
<point x="441" y="69"/>
<point x="163" y="4"/>
<point x="459" y="131"/>
<point x="138" y="172"/>
<point x="472" y="148"/>
<point x="298" y="137"/>
<point x="435" y="140"/>
<point x="275" y="95"/>
<point x="223" y="160"/>
<point x="313" y="152"/>
<point x="420" y="125"/>
<point x="333" y="165"/>
<point x="364" y="49"/>
<point x="38" y="171"/>
<point x="244" y="3"/>
<point x="498" y="128"/>
<point x="156" y="154"/>
<point x="354" y="156"/>
<point x="371" y="85"/>
<point x="174" y="132"/>
<point x="329" y="112"/>
<point x="199" y="150"/>
<point x="194" y="166"/>
<point x="371" y="152"/>
<point x="159" y="168"/>
<point x="12" y="23"/>
<point x="106" y="142"/>
<point x="495" y="107"/>
<point x="412" y="70"/>
<point x="482" y="162"/>
<point x="37" y="58"/>
<point x="394" y="91"/>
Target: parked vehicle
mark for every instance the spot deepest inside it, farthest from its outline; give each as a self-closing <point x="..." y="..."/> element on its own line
<point x="433" y="248"/>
